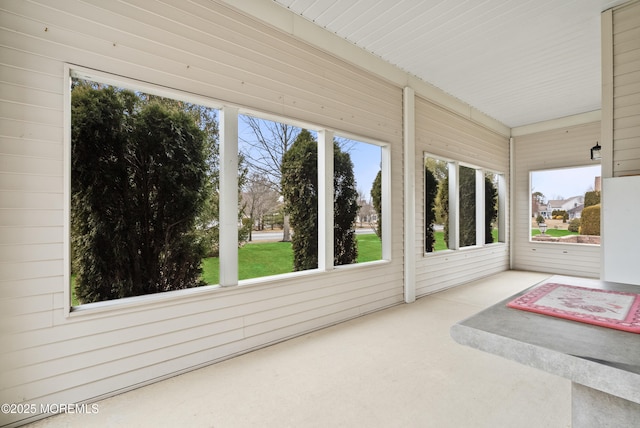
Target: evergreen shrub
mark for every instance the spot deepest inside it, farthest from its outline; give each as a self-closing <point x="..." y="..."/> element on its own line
<point x="590" y="223"/>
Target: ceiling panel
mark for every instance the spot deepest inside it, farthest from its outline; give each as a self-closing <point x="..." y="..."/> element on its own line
<point x="518" y="61"/>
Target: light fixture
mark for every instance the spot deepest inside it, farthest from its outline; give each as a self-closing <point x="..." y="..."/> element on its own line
<point x="542" y="227"/>
<point x="595" y="152"/>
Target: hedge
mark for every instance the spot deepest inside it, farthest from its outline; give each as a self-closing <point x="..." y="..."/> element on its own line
<point x="590" y="221"/>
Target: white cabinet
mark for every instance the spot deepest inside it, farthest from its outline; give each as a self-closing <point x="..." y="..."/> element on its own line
<point x="621" y="229"/>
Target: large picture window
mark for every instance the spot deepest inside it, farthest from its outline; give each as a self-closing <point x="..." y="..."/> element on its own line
<point x="282" y="227"/>
<point x="144" y="206"/>
<point x="565" y="205"/>
<point x="160" y="192"/>
<point x="357" y="167"/>
<point x="462" y="205"/>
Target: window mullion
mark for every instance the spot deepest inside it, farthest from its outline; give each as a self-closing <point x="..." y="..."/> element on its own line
<point x="386" y="203"/>
<point x="480" y="211"/>
<point x="325" y="200"/>
<point x="454" y="206"/>
<point x="228" y="205"/>
<point x="502" y="212"/>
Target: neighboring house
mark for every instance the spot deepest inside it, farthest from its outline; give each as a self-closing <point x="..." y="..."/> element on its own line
<point x="575" y="212"/>
<point x="573" y="206"/>
<point x="541" y="209"/>
<point x="570" y="205"/>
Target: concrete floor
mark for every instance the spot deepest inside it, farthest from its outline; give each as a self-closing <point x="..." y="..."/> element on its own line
<point x="394" y="368"/>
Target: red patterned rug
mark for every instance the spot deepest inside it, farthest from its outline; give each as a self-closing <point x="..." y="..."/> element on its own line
<point x="605" y="308"/>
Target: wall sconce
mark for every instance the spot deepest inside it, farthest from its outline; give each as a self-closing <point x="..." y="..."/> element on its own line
<point x="595" y="152"/>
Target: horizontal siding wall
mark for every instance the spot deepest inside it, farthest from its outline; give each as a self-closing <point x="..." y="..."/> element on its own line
<point x="626" y="92"/>
<point x="560" y="148"/>
<point x="442" y="133"/>
<point x="199" y="47"/>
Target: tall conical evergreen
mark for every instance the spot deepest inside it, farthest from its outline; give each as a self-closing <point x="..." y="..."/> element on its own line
<point x="300" y="193"/>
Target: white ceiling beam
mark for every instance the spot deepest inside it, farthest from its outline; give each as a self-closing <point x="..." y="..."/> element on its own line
<point x="563" y="122"/>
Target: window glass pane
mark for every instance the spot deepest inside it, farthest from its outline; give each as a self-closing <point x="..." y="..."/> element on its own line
<point x="492" y="207"/>
<point x="451" y="211"/>
<point x="279" y="193"/>
<point x="357" y="202"/>
<point x="436" y="204"/>
<point x="467" y="206"/>
<point x="565" y="205"/>
<point x="144" y="170"/>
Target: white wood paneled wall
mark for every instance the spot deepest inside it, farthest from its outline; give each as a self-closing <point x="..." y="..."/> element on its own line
<point x="620" y="140"/>
<point x="210" y="49"/>
<point x="626" y="90"/>
<point x="558" y="148"/>
<point x="199" y="47"/>
<point x="440" y="132"/>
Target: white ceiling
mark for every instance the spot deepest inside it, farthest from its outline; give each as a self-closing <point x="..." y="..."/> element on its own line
<point x="518" y="61"/>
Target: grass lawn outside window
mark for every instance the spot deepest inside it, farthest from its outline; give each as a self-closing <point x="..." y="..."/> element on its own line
<point x="270" y="258"/>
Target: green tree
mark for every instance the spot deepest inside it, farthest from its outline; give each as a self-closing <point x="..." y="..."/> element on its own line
<point x="299" y="188"/>
<point x="138" y="183"/>
<point x="440" y="170"/>
<point x="490" y="208"/>
<point x="345" y="208"/>
<point x="560" y="213"/>
<point x="264" y="153"/>
<point x="300" y="192"/>
<point x="442" y="202"/>
<point x="467" y="203"/>
<point x="590" y="221"/>
<point x="376" y="197"/>
<point x="431" y="189"/>
<point x="591" y="198"/>
<point x="207" y="224"/>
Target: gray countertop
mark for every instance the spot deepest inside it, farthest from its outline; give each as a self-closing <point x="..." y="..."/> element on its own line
<point x="598" y="357"/>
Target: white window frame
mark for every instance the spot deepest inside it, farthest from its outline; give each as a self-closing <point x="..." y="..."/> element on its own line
<point x="454" y="205"/>
<point x="228" y="192"/>
<point x="530" y="217"/>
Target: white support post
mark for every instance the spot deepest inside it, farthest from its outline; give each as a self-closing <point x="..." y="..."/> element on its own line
<point x="512" y="199"/>
<point x="480" y="209"/>
<point x="325" y="200"/>
<point x="606" y="125"/>
<point x="409" y="127"/>
<point x="228" y="197"/>
<point x="606" y="138"/>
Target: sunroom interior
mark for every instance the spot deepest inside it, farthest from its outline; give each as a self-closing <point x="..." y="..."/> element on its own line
<point x="499" y="87"/>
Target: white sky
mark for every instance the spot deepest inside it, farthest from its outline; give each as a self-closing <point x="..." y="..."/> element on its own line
<point x="564" y="183"/>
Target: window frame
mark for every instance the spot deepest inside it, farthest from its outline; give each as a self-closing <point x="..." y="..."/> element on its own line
<point x="530" y="239"/>
<point x="228" y="140"/>
<point x="454" y="204"/>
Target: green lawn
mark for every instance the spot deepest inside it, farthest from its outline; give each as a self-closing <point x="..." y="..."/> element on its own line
<point x="369" y="247"/>
<point x="74" y="299"/>
<point x="269" y="258"/>
<point x="256" y="260"/>
<point x="441" y="245"/>
<point x="553" y="232"/>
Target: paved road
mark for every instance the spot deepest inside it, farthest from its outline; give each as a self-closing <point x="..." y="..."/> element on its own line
<point x="261" y="236"/>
